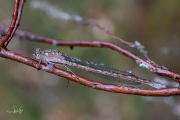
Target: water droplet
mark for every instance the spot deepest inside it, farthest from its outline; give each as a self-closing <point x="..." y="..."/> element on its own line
<point x="129" y="71"/>
<point x="46" y="54"/>
<point x="101" y="64"/>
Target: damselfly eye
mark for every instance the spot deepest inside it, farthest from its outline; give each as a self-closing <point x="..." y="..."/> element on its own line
<point x="35" y="55"/>
<point x="37" y="52"/>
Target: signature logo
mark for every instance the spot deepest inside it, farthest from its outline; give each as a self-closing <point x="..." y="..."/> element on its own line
<point x="16" y="110"/>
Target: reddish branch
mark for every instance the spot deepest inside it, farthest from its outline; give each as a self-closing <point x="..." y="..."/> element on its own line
<point x="81" y="80"/>
<point x="18" y="6"/>
<point x="4" y="52"/>
<point x="84" y="43"/>
<point x="139" y="47"/>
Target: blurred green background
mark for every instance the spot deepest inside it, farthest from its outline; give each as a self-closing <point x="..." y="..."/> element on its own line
<point x="154" y="23"/>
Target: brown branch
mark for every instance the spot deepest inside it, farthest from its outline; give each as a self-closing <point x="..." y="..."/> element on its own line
<point x="84" y="43"/>
<point x="136" y="44"/>
<point x="4" y="52"/>
<point x="18" y="6"/>
<point x="92" y="84"/>
<point x="80" y="20"/>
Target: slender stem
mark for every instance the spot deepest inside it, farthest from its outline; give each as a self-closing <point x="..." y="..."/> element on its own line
<point x="85" y="43"/>
<point x="86" y="82"/>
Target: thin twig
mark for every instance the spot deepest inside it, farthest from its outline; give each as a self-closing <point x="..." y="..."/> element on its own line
<point x="14" y="23"/>
<point x="84" y="43"/>
<point x="5" y="53"/>
<point x="86" y="82"/>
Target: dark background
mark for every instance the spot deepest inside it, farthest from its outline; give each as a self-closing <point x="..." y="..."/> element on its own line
<point x="154" y="23"/>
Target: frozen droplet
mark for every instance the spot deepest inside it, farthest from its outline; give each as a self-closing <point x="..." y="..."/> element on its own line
<point x="129" y="71"/>
<point x="102" y="64"/>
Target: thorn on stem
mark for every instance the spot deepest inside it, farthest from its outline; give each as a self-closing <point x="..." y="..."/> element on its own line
<point x="67" y="84"/>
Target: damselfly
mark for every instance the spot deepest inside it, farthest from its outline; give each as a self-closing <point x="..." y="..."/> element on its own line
<point x="51" y="57"/>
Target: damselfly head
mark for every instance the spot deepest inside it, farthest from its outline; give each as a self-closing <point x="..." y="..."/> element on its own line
<point x="37" y="53"/>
